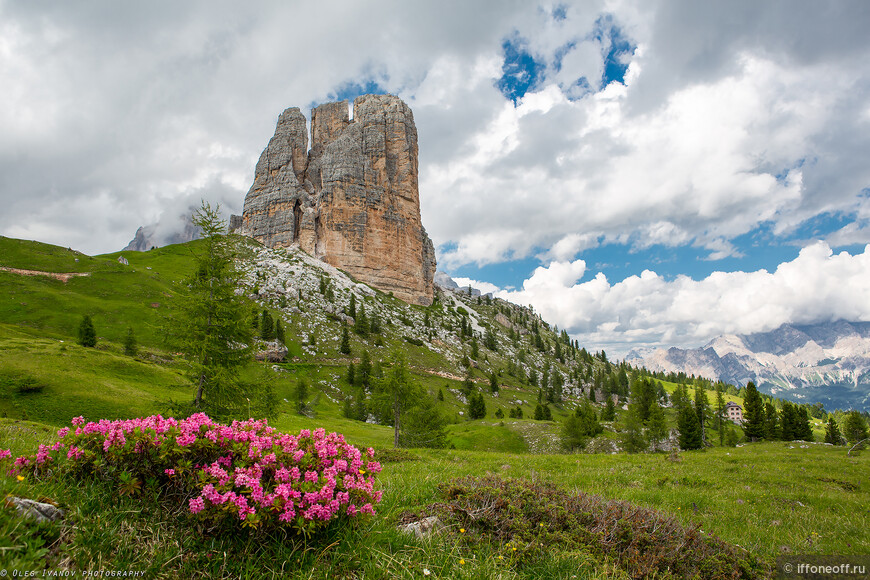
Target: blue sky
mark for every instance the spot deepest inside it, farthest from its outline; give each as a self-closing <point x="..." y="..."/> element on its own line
<point x="642" y="173"/>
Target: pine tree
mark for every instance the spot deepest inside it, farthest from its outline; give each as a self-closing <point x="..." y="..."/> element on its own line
<point x="789" y="427"/>
<point x="211" y="324"/>
<point x="130" y="346"/>
<point x="475" y="349"/>
<point x="539" y="413"/>
<point x="633" y="440"/>
<point x="476" y="406"/>
<point x="279" y="331"/>
<point x="351" y="308"/>
<point x="493" y="382"/>
<point x="351" y="374"/>
<point x="609" y="412"/>
<point x="854" y="428"/>
<point x="395" y="393"/>
<point x="364" y="370"/>
<point x="720" y="413"/>
<point x="300" y="395"/>
<point x="753" y="414"/>
<point x="267" y="326"/>
<point x="771" y="422"/>
<point x="657" y="426"/>
<point x="423" y="426"/>
<point x="702" y="409"/>
<point x="87" y="333"/>
<point x="345" y="341"/>
<point x="803" y="430"/>
<point x="689" y="428"/>
<point x="361" y="322"/>
<point x="832" y="432"/>
<point x="548" y="414"/>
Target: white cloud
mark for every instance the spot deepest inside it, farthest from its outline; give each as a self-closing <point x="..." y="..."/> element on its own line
<point x="818" y="285"/>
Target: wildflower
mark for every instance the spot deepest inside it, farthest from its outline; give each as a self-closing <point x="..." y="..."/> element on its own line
<point x="461" y="530"/>
<point x="426" y="572"/>
<point x="4" y="453"/>
<point x="461" y="561"/>
<point x="20" y="477"/>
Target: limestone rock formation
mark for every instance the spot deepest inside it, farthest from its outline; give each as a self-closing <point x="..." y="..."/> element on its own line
<point x="352" y="199"/>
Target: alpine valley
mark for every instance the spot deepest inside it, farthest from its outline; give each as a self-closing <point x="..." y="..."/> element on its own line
<point x="826" y="363"/>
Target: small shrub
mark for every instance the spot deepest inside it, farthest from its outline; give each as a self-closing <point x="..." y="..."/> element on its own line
<point x="245" y="474"/>
<point x="533" y="519"/>
<point x="414" y="341"/>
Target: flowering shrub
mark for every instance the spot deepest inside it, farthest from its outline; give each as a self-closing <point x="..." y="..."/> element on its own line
<point x="246" y="472"/>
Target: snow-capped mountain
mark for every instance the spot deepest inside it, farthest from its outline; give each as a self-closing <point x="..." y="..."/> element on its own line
<point x="827" y="363"/>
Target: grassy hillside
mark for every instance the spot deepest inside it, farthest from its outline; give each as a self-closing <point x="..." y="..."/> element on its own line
<point x="772" y="499"/>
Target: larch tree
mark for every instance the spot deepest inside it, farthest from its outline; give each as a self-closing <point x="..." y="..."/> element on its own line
<point x="212" y="323"/>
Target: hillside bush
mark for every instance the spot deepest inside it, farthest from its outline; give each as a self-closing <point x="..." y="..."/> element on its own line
<point x="528" y="520"/>
<point x="246" y="473"/>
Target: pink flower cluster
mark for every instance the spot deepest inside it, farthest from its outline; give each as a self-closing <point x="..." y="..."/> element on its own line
<point x="242" y="469"/>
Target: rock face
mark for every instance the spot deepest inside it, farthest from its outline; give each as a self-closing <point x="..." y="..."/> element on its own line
<point x="352" y="199"/>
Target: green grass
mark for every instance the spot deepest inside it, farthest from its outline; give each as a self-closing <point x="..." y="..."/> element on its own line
<point x="769" y="498"/>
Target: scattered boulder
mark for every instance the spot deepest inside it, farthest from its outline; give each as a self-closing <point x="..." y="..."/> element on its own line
<point x="34" y="510"/>
<point x="272" y="351"/>
<point x="423" y="528"/>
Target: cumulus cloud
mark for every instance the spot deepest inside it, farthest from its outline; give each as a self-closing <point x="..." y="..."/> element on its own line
<point x="819" y="285"/>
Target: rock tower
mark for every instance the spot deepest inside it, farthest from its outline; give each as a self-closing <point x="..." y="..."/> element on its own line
<point x="352" y="199"/>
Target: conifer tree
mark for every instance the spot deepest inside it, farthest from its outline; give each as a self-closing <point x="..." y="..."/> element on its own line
<point x="361" y="322"/>
<point x="267" y="326"/>
<point x="301" y="395"/>
<point x="130" y="346"/>
<point x="609" y="412"/>
<point x="854" y="428"/>
<point x="689" y="428"/>
<point x="753" y="414"/>
<point x="351" y="374"/>
<point x="702" y="409"/>
<point x="475" y="349"/>
<point x="345" y="341"/>
<point x="832" y="432"/>
<point x="364" y="371"/>
<point x="539" y="413"/>
<point x="351" y="308"/>
<point x="803" y="430"/>
<point x="87" y="333"/>
<point x="476" y="406"/>
<point x="279" y="331"/>
<point x="657" y="427"/>
<point x="211" y="322"/>
<point x="493" y="382"/>
<point x="423" y="426"/>
<point x="720" y="412"/>
<point x="633" y="440"/>
<point x="771" y="422"/>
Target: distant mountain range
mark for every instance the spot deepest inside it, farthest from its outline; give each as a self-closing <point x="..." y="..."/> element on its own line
<point x="827" y="363"/>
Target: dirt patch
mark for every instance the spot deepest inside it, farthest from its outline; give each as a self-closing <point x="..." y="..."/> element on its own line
<point x="63" y="277"/>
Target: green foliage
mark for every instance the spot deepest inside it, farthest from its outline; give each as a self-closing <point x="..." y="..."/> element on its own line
<point x="689" y="428"/>
<point x="423" y="426"/>
<point x="87" y="333"/>
<point x="300" y="396"/>
<point x="210" y="321"/>
<point x="351" y="308"/>
<point x="533" y="520"/>
<point x="493" y="383"/>
<point x="657" y="426"/>
<point x="633" y="440"/>
<point x="832" y="432"/>
<point x="476" y="406"/>
<point x="394" y="394"/>
<point x="267" y="326"/>
<point x="753" y="414"/>
<point x="279" y="331"/>
<point x="609" y="412"/>
<point x="361" y="324"/>
<point x="345" y="341"/>
<point x="580" y="426"/>
<point x="131" y="348"/>
<point x="854" y="428"/>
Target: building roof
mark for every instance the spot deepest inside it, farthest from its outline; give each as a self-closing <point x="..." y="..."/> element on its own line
<point x="732" y="404"/>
